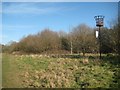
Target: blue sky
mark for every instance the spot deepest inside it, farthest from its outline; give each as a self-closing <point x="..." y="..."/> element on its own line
<point x="60" y="0"/>
<point x="23" y="18"/>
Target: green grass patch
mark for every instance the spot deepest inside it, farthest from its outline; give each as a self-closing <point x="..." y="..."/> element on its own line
<point x="26" y="71"/>
<point x="35" y="63"/>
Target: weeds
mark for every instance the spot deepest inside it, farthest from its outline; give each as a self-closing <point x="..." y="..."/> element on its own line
<point x="72" y="72"/>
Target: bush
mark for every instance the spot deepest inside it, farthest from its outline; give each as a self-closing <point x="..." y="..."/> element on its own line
<point x="91" y="57"/>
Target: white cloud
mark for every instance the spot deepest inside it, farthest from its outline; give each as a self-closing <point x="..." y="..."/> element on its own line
<point x="3" y="36"/>
<point x="28" y="8"/>
<point x="17" y="27"/>
<point x="0" y="7"/>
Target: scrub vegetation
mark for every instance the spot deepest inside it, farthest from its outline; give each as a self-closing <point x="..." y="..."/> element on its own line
<point x="42" y="71"/>
<point x="52" y="59"/>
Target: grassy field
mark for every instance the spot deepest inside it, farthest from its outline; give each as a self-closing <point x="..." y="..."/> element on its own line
<point x="29" y="71"/>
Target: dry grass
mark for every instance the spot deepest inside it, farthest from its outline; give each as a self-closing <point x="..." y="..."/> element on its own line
<point x="43" y="71"/>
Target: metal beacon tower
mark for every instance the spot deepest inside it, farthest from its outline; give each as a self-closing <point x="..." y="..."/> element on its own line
<point x="99" y="23"/>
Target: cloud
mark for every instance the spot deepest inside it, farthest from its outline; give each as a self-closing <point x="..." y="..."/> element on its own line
<point x="39" y="8"/>
<point x="0" y="7"/>
<point x="18" y="27"/>
<point x="3" y="36"/>
<point x="27" y="8"/>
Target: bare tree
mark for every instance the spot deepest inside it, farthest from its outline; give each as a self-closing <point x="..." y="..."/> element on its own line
<point x="84" y="38"/>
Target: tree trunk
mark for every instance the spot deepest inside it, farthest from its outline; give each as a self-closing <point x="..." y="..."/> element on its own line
<point x="83" y="51"/>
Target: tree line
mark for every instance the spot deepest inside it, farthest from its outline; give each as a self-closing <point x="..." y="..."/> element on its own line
<point x="80" y="39"/>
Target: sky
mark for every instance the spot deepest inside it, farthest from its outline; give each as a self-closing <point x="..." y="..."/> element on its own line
<point x="60" y="0"/>
<point x="20" y="19"/>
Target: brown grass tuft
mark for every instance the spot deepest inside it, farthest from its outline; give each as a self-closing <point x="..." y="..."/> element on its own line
<point x="85" y="61"/>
